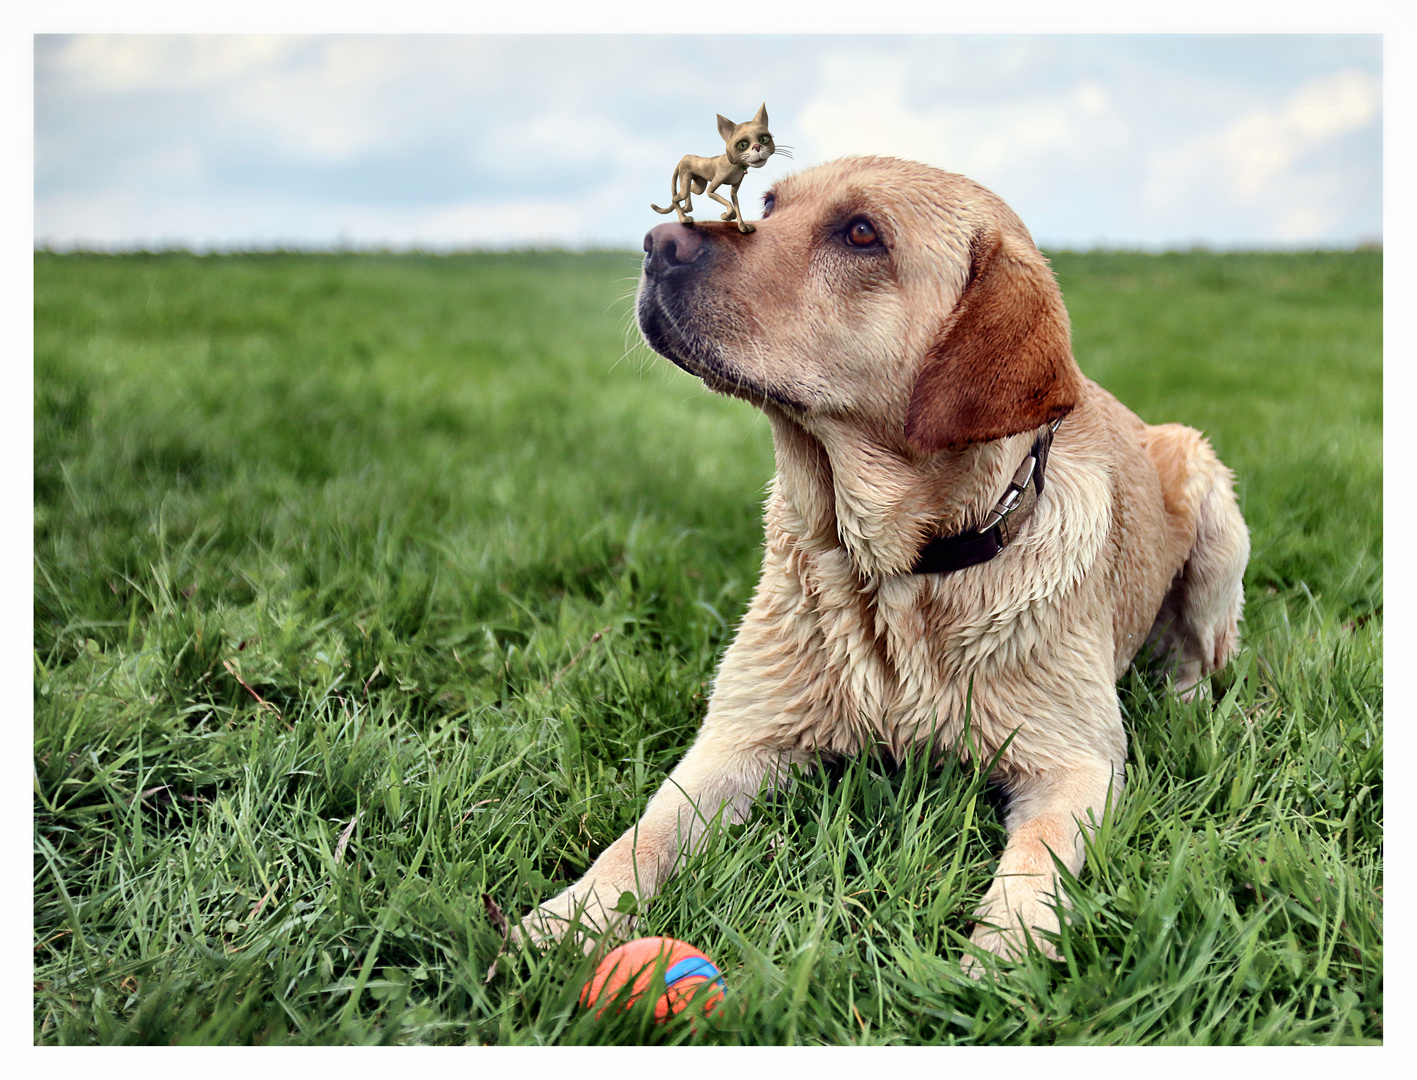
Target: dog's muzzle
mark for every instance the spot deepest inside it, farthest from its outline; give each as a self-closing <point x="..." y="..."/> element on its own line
<point x="682" y="316"/>
<point x="676" y="257"/>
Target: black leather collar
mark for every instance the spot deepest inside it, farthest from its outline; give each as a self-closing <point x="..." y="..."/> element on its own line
<point x="946" y="554"/>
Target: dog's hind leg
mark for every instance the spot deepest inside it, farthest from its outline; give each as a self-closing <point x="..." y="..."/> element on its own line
<point x="1197" y="628"/>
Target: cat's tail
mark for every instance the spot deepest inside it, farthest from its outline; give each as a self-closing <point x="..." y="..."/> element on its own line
<point x="673" y="191"/>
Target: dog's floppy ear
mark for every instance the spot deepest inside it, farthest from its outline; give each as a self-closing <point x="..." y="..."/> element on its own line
<point x="762" y="117"/>
<point x="725" y="127"/>
<point x="1004" y="363"/>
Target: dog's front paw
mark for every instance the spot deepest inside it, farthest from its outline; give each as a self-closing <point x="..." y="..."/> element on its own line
<point x="580" y="916"/>
<point x="1008" y="917"/>
<point x="541" y="928"/>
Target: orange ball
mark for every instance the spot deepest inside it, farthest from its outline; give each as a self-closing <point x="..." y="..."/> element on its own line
<point x="682" y="966"/>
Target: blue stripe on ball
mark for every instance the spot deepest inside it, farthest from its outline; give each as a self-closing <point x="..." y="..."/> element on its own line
<point x="694" y="965"/>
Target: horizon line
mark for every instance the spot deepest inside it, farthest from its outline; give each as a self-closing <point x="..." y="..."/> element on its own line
<point x="215" y="250"/>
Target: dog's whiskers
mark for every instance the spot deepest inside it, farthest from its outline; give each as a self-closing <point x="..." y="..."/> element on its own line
<point x="630" y="338"/>
<point x="624" y="296"/>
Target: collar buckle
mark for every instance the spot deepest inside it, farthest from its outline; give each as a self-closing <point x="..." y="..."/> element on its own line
<point x="946" y="554"/>
<point x="1012" y="499"/>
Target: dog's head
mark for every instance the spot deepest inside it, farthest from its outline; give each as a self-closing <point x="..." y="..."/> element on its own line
<point x="887" y="292"/>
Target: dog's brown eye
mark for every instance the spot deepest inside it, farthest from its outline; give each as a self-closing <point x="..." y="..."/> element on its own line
<point x="769" y="201"/>
<point x="861" y="233"/>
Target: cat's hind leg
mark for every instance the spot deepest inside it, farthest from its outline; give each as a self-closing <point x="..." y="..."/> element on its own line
<point x="693" y="185"/>
<point x="679" y="202"/>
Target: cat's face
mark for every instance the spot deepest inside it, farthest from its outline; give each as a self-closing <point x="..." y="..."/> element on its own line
<point x="750" y="145"/>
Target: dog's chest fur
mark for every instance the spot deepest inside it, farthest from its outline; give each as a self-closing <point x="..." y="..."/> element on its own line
<point x="851" y="660"/>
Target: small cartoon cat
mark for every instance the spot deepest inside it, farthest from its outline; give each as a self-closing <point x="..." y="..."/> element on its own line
<point x="749" y="146"/>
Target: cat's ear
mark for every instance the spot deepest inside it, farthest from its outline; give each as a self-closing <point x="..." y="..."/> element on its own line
<point x="762" y="117"/>
<point x="1003" y="362"/>
<point x="725" y="127"/>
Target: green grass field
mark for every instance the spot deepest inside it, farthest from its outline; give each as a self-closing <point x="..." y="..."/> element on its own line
<point x="366" y="585"/>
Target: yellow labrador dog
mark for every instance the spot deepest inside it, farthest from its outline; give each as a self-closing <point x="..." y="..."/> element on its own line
<point x="962" y="526"/>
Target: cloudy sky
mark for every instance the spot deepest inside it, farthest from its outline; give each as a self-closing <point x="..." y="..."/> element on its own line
<point x="488" y="141"/>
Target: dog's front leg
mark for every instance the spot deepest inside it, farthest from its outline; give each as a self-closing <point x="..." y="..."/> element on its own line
<point x="718" y="775"/>
<point x="1047" y="815"/>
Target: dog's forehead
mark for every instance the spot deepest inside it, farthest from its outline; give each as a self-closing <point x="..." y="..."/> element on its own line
<point x="889" y="185"/>
<point x="928" y="216"/>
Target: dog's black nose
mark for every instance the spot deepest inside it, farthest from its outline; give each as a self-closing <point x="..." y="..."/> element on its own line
<point x="672" y="246"/>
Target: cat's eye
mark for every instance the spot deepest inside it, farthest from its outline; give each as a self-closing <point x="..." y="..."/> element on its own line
<point x="742" y="144"/>
<point x="766" y="137"/>
<point x="861" y="233"/>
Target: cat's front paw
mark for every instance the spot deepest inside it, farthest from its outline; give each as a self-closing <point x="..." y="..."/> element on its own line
<point x="744" y="227"/>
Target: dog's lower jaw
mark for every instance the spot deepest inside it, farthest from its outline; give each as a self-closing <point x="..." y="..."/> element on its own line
<point x="754" y="395"/>
<point x="702" y="359"/>
<point x="666" y="335"/>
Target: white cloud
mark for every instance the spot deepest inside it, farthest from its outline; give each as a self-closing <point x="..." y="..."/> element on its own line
<point x="116" y="63"/>
<point x="1327" y="107"/>
<point x="1253" y="157"/>
<point x="571" y="138"/>
<point x="863" y="109"/>
<point x="343" y="97"/>
<point x="323" y="99"/>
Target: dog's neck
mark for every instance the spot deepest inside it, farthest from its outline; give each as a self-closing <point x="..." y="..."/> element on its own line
<point x="836" y="489"/>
